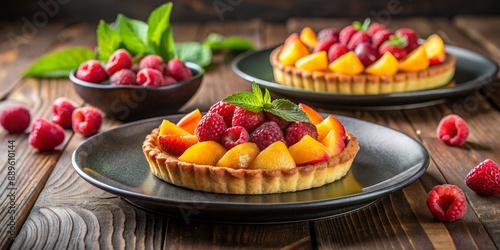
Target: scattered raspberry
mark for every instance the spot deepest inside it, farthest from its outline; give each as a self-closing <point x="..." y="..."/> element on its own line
<point x="91" y="71"/>
<point x="62" y="109"/>
<point x="324" y="45"/>
<point x="247" y="119"/>
<point x="176" y="144"/>
<point x="266" y="134"/>
<point x="397" y="51"/>
<point x="120" y="59"/>
<point x="149" y="77"/>
<point x="447" y="202"/>
<point x="358" y="38"/>
<point x="336" y="51"/>
<point x="374" y="28"/>
<point x="452" y="130"/>
<point x="224" y="109"/>
<point x="328" y="33"/>
<point x="346" y="34"/>
<point x="380" y="37"/>
<point x="151" y="62"/>
<point x="178" y="70"/>
<point x="123" y="77"/>
<point x="484" y="178"/>
<point x="210" y="128"/>
<point x="234" y="136"/>
<point x="15" y="118"/>
<point x="45" y="135"/>
<point x="410" y="36"/>
<point x="282" y="123"/>
<point x="167" y="80"/>
<point x="297" y="130"/>
<point x="86" y="120"/>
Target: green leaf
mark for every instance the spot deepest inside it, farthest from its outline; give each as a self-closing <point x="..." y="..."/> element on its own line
<point x="194" y="52"/>
<point x="267" y="97"/>
<point x="287" y="110"/>
<point x="160" y="36"/>
<point x="232" y="43"/>
<point x="108" y="40"/>
<point x="134" y="34"/>
<point x="59" y="63"/>
<point x="257" y="92"/>
<point x="245" y="100"/>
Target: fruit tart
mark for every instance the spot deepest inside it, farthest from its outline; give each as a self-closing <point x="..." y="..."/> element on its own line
<point x="246" y="144"/>
<point x="362" y="59"/>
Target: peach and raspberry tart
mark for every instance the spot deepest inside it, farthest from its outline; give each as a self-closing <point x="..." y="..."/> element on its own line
<point x="362" y="59"/>
<point x="248" y="144"/>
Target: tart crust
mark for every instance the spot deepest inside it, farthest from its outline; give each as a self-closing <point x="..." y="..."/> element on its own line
<point x="363" y="84"/>
<point x="246" y="181"/>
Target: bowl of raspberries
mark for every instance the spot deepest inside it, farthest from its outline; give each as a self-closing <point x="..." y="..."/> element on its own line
<point x="129" y="89"/>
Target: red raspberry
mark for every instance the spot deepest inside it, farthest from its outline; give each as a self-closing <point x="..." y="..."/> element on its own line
<point x="358" y="38"/>
<point x="120" y="59"/>
<point x="224" y="109"/>
<point x="484" y="178"/>
<point x="410" y="36"/>
<point x="374" y="28"/>
<point x="282" y="123"/>
<point x="151" y="62"/>
<point x="210" y="128"/>
<point x="447" y="202"/>
<point x="149" y="78"/>
<point x="234" y="136"/>
<point x="123" y="77"/>
<point x="266" y="134"/>
<point x="336" y="51"/>
<point x="452" y="130"/>
<point x="328" y="33"/>
<point x="167" y="80"/>
<point x="45" y="135"/>
<point x="324" y="45"/>
<point x="346" y="34"/>
<point x="247" y="119"/>
<point x="380" y="37"/>
<point x="178" y="70"/>
<point x="15" y="118"/>
<point x="297" y="130"/>
<point x="62" y="109"/>
<point x="87" y="120"/>
<point x="398" y="52"/>
<point x="91" y="71"/>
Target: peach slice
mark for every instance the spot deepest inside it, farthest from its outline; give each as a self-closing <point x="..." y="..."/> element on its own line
<point x="415" y="61"/>
<point x="309" y="151"/>
<point x="385" y="65"/>
<point x="434" y="47"/>
<point x="308" y="37"/>
<point x="239" y="156"/>
<point x="293" y="49"/>
<point x="328" y="124"/>
<point x="167" y="127"/>
<point x="204" y="153"/>
<point x="313" y="115"/>
<point x="334" y="141"/>
<point x="348" y="64"/>
<point x="314" y="62"/>
<point x="176" y="144"/>
<point x="190" y="120"/>
<point x="275" y="156"/>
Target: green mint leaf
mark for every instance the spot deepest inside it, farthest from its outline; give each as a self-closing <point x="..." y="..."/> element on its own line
<point x="134" y="34"/>
<point x="233" y="43"/>
<point x="287" y="110"/>
<point x="357" y="25"/>
<point x="245" y="100"/>
<point x="160" y="36"/>
<point x="108" y="40"/>
<point x="258" y="93"/>
<point x="59" y="63"/>
<point x="267" y="97"/>
<point x="366" y="24"/>
<point x="194" y="52"/>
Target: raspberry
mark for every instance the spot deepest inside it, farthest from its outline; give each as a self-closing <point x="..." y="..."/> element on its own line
<point x="396" y="51"/>
<point x="358" y="38"/>
<point x="210" y="128"/>
<point x="149" y="78"/>
<point x="447" y="202"/>
<point x="176" y="144"/>
<point x="15" y="118"/>
<point x="87" y="120"/>
<point x="346" y="34"/>
<point x="452" y="130"/>
<point x="336" y="51"/>
<point x="91" y="71"/>
<point x="374" y="28"/>
<point x="328" y="33"/>
<point x="234" y="136"/>
<point x="177" y="70"/>
<point x="410" y="36"/>
<point x="123" y="77"/>
<point x="324" y="45"/>
<point x="484" y="178"/>
<point x="45" y="135"/>
<point x="224" y="109"/>
<point x="120" y="59"/>
<point x="282" y="123"/>
<point x="167" y="80"/>
<point x="62" y="109"/>
<point x="266" y="134"/>
<point x="247" y="119"/>
<point x="380" y="37"/>
<point x="151" y="62"/>
<point x="297" y="130"/>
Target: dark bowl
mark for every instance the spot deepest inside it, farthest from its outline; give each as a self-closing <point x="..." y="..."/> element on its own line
<point x="130" y="103"/>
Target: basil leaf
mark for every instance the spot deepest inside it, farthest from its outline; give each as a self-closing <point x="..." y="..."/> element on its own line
<point x="232" y="43"/>
<point x="160" y="36"/>
<point x="108" y="40"/>
<point x="134" y="34"/>
<point x="59" y="63"/>
<point x="194" y="52"/>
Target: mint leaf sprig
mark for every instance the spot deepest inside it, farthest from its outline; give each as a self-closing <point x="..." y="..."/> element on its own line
<point x="255" y="101"/>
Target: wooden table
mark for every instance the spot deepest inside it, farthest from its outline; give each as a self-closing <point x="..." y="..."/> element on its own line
<point x="56" y="209"/>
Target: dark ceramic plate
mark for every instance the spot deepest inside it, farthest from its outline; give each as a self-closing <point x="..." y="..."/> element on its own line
<point x="473" y="71"/>
<point x="387" y="161"/>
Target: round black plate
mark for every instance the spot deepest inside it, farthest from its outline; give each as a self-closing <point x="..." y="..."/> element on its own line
<point x="387" y="161"/>
<point x="473" y="71"/>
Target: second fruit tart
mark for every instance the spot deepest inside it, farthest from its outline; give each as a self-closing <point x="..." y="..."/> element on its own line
<point x="248" y="144"/>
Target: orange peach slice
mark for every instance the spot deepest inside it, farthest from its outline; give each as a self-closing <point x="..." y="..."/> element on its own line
<point x="328" y="124"/>
<point x="293" y="49"/>
<point x="167" y="127"/>
<point x="314" y="62"/>
<point x="308" y="37"/>
<point x="415" y="61"/>
<point x="348" y="64"/>
<point x="176" y="144"/>
<point x="308" y="151"/>
<point x="385" y="65"/>
<point x="334" y="141"/>
<point x="190" y="120"/>
<point x="276" y="156"/>
<point x="204" y="153"/>
<point x="434" y="48"/>
<point x="239" y="156"/>
<point x="313" y="115"/>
